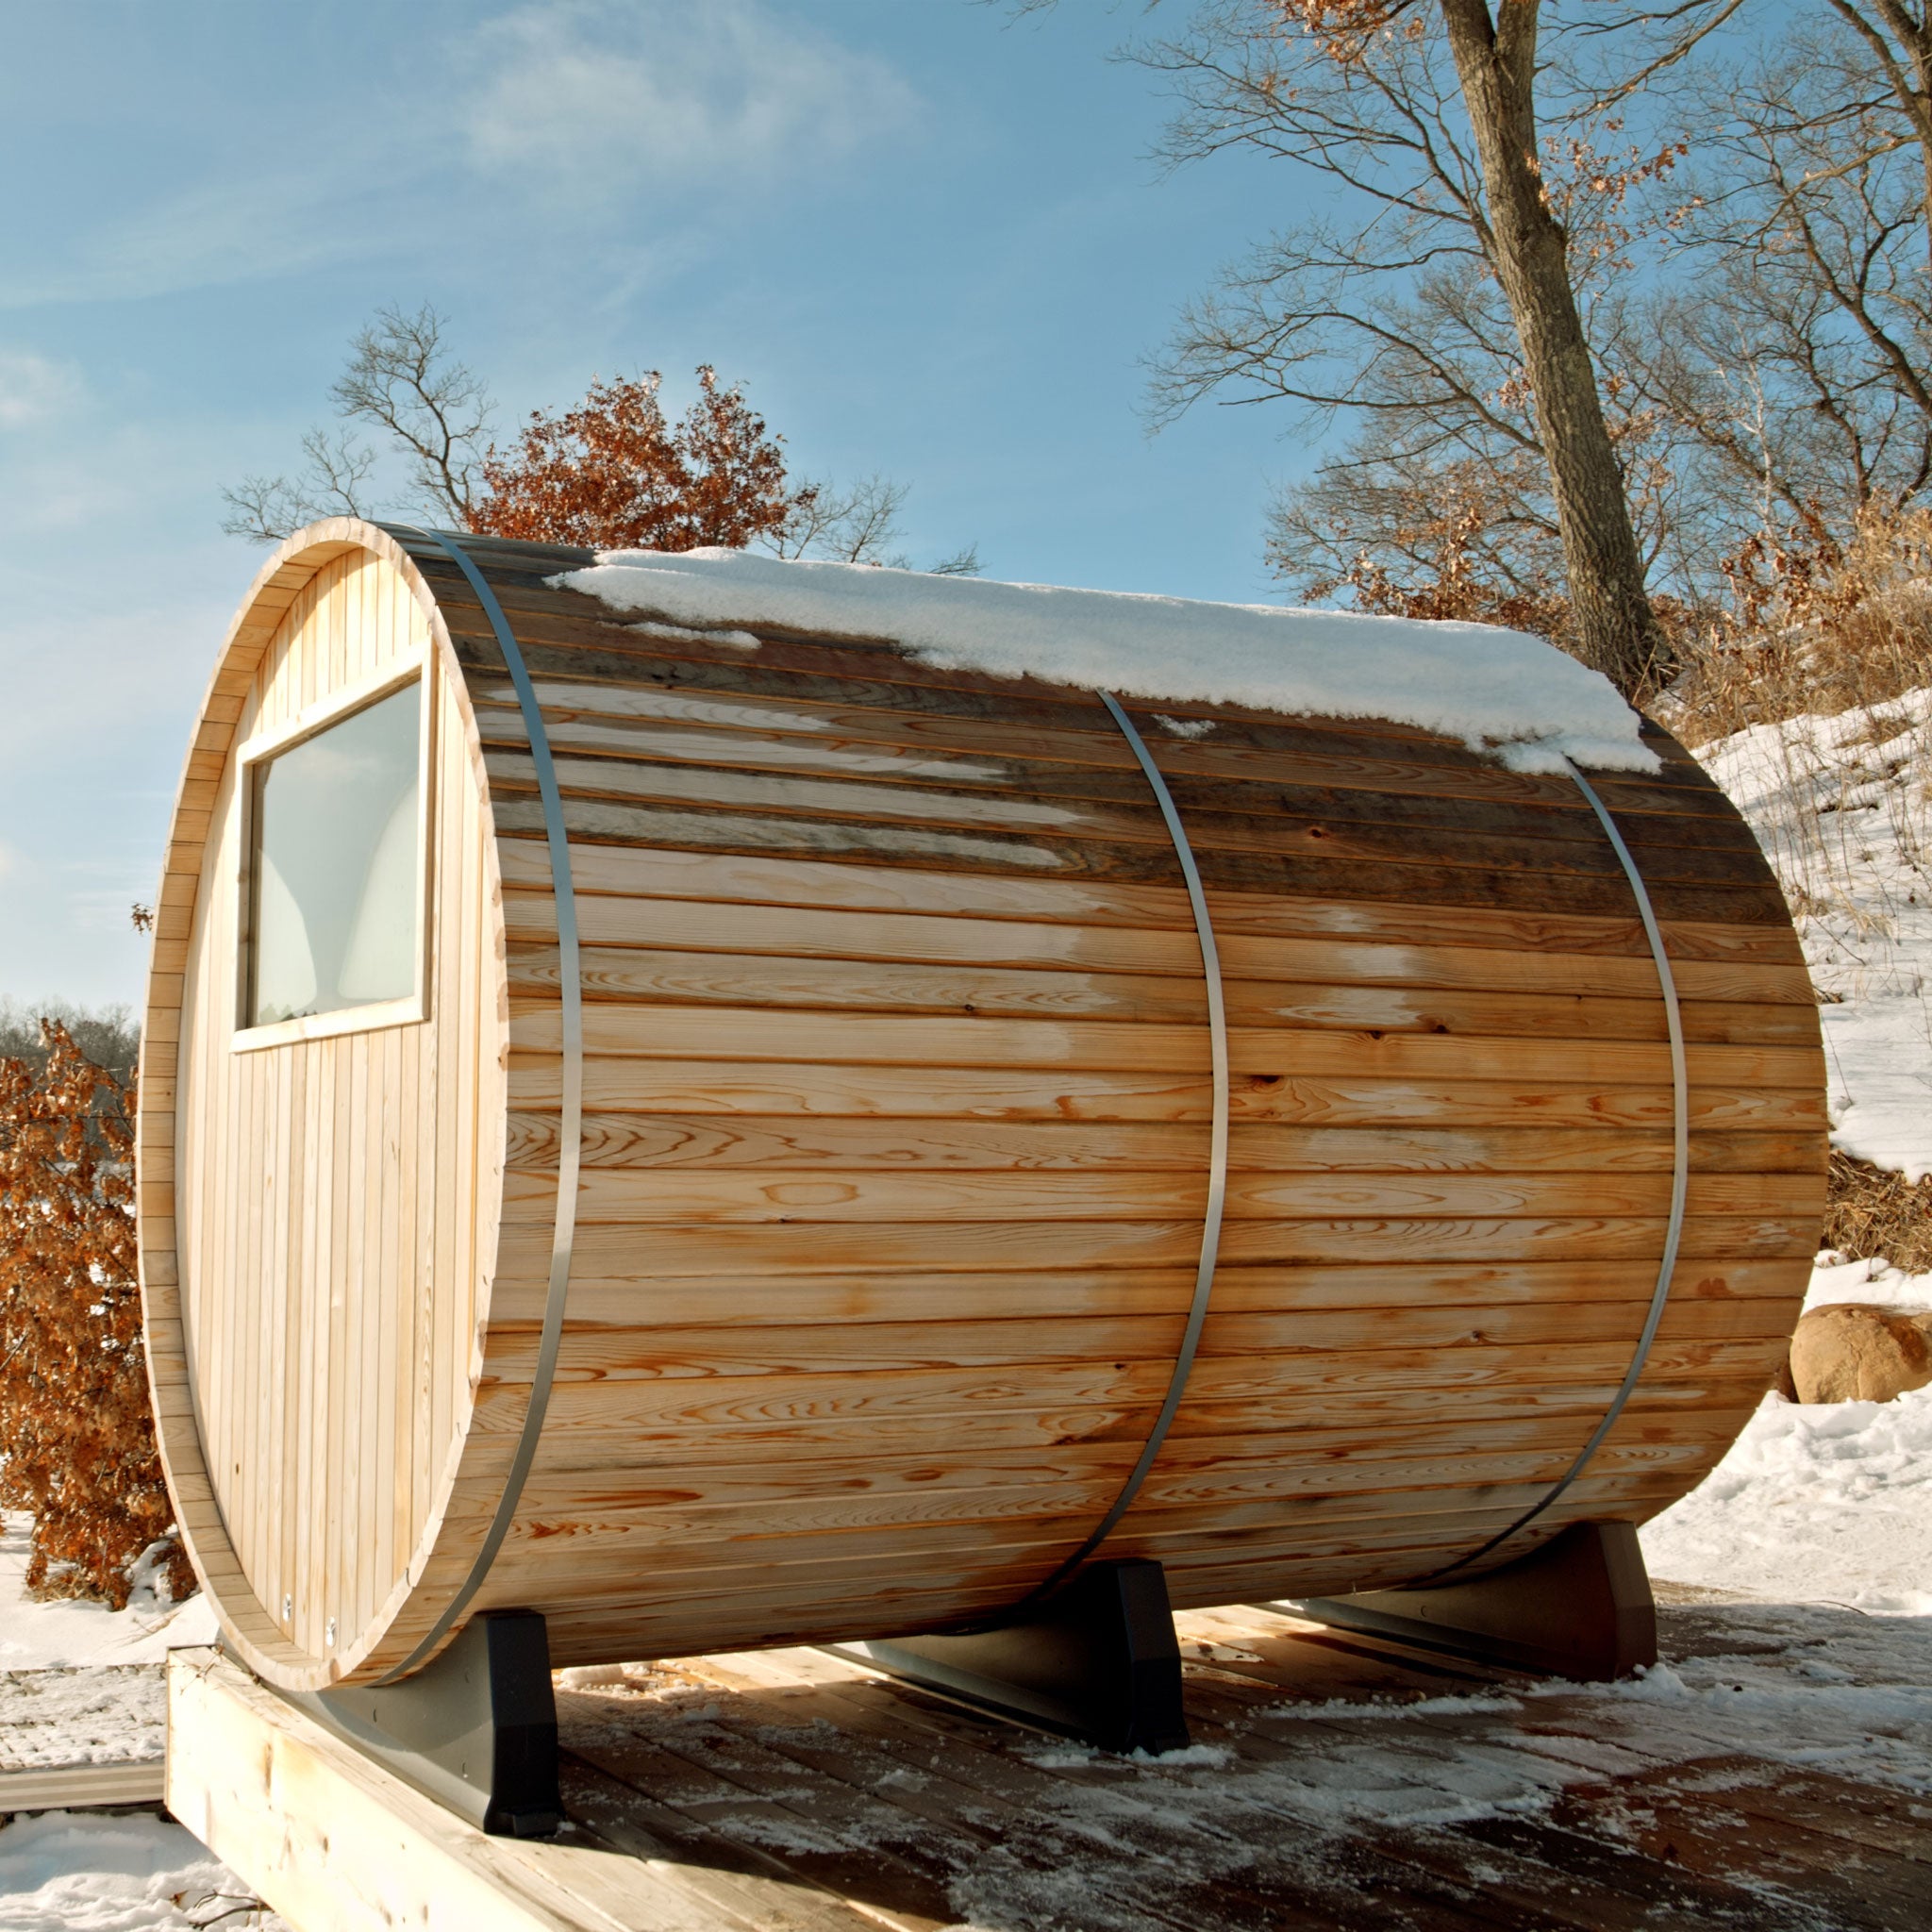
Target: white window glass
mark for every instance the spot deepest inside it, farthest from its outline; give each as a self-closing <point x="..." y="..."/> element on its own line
<point x="334" y="868"/>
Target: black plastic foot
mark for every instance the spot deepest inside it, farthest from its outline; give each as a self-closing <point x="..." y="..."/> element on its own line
<point x="1580" y="1606"/>
<point x="476" y="1730"/>
<point x="1096" y="1660"/>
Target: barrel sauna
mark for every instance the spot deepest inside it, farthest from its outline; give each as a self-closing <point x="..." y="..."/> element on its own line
<point x="734" y="1163"/>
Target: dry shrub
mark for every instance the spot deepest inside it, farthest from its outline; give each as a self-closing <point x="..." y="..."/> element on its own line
<point x="1872" y="1213"/>
<point x="1813" y="625"/>
<point x="76" y="1431"/>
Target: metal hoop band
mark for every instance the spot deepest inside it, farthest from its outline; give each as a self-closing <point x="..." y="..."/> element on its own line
<point x="1217" y="1156"/>
<point x="1680" y="1185"/>
<point x="571" y="1125"/>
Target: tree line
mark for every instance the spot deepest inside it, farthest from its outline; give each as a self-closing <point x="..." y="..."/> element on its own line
<point x="1612" y="317"/>
<point x="1617" y="313"/>
<point x="616" y="472"/>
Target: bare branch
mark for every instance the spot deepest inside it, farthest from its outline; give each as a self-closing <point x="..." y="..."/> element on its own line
<point x="332" y="482"/>
<point x="400" y="378"/>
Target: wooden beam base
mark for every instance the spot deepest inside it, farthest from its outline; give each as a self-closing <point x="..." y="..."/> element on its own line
<point x="1097" y="1661"/>
<point x="1579" y="1607"/>
<point x="335" y="1844"/>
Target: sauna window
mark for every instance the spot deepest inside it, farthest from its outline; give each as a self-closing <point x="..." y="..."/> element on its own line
<point x="335" y="866"/>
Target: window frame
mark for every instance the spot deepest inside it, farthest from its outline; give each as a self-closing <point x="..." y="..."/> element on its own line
<point x="413" y="1009"/>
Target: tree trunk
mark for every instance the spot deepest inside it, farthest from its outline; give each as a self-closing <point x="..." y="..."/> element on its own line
<point x="1495" y="61"/>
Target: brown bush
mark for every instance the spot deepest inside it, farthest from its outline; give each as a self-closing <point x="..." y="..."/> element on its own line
<point x="76" y="1431"/>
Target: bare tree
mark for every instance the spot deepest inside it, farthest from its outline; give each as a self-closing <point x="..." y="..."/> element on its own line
<point x="401" y="379"/>
<point x="332" y="482"/>
<point x="1896" y="35"/>
<point x="849" y="525"/>
<point x="1443" y="293"/>
<point x="1794" y="349"/>
<point x="859" y="523"/>
<point x="431" y="409"/>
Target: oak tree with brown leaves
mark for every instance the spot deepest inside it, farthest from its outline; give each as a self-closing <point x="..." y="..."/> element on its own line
<point x="76" y="1431"/>
<point x="616" y="473"/>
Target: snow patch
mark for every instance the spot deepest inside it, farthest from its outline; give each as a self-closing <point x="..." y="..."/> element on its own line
<point x="73" y="1871"/>
<point x="56" y="1635"/>
<point x="1876" y="1283"/>
<point x="97" y="1714"/>
<point x="1498" y="690"/>
<point x="1814" y="1503"/>
<point x="1356" y="1709"/>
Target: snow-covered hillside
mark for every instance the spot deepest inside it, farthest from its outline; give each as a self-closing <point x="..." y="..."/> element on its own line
<point x="1840" y="806"/>
<point x="1833" y="1503"/>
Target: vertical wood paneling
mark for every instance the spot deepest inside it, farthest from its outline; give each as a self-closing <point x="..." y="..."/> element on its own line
<point x="326" y="1279"/>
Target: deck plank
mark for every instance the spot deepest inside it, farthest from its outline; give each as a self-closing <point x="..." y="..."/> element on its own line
<point x="1335" y="1781"/>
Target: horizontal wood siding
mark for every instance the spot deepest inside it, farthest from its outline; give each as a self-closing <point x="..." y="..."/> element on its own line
<point x="895" y="1153"/>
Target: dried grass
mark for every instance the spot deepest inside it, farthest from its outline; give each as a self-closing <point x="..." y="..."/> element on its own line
<point x="1813" y="626"/>
<point x="1872" y="1214"/>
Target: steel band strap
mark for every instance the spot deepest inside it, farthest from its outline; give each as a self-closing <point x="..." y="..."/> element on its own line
<point x="569" y="1144"/>
<point x="1217" y="1154"/>
<point x="1680" y="1186"/>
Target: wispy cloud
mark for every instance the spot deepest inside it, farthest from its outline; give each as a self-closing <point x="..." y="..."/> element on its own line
<point x="212" y="234"/>
<point x="602" y="99"/>
<point x="34" y="388"/>
<point x="576" y="104"/>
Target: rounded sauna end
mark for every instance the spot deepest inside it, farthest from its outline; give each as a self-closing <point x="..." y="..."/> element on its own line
<point x="322" y="1114"/>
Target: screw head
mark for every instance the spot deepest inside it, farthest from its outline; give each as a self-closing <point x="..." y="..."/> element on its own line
<point x="329" y="1635"/>
<point x="288" y="1608"/>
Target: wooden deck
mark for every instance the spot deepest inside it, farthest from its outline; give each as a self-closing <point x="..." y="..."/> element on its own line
<point x="75" y="1736"/>
<point x="1774" y="1774"/>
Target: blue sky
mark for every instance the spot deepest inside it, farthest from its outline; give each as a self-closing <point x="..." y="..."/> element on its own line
<point x="928" y="241"/>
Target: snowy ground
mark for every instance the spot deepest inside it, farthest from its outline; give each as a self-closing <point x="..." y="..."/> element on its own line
<point x="82" y="1871"/>
<point x="1823" y="1504"/>
<point x="80" y="1683"/>
<point x="54" y="1636"/>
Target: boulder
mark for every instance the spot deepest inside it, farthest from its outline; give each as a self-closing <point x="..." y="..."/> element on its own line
<point x="1857" y="1352"/>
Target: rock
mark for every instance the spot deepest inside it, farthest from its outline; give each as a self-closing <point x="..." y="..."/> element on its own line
<point x="1856" y="1352"/>
<point x="1783" y="1382"/>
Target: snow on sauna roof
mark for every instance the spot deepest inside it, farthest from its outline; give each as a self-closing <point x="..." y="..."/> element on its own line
<point x="1499" y="691"/>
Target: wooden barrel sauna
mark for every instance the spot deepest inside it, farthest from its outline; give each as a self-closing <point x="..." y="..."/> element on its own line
<point x="742" y="1136"/>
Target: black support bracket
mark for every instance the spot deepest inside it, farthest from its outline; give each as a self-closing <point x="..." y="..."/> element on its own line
<point x="476" y="1729"/>
<point x="1097" y="1660"/>
<point x="1579" y="1606"/>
